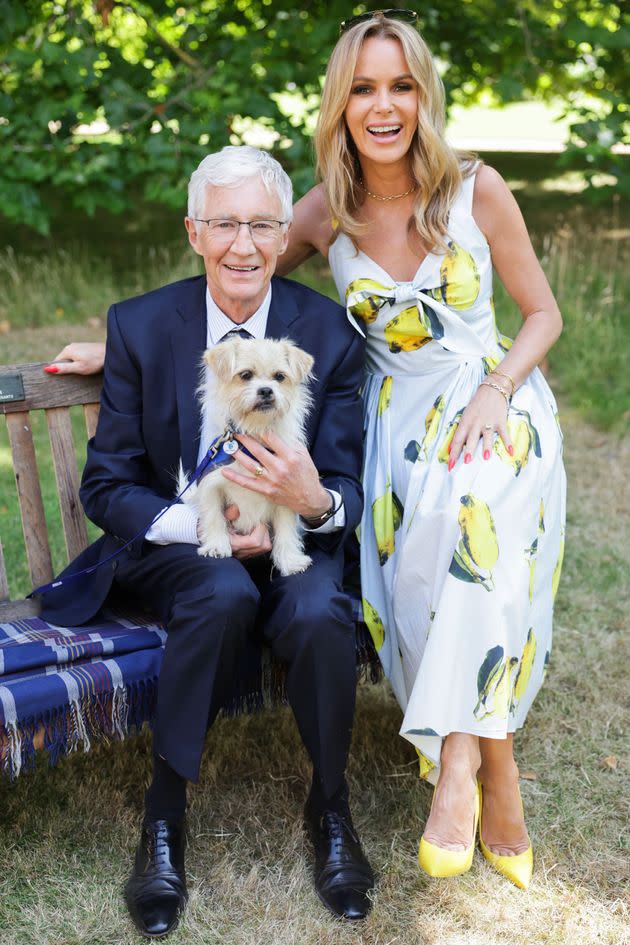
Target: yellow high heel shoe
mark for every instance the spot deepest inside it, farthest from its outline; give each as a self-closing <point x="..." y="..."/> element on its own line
<point x="517" y="868"/>
<point x="436" y="861"/>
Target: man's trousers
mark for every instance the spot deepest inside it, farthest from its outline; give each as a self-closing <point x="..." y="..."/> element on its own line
<point x="211" y="607"/>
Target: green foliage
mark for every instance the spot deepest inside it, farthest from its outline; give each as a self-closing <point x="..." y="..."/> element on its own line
<point x="169" y="80"/>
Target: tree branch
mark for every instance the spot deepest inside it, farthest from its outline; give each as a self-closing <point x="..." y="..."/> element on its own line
<point x="185" y="57"/>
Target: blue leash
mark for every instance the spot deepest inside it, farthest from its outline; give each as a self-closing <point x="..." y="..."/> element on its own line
<point x="220" y="453"/>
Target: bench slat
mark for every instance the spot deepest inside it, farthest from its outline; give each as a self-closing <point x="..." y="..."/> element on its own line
<point x="64" y="460"/>
<point x="30" y="497"/>
<point x="16" y="609"/>
<point x="90" y="412"/>
<point x="4" y="584"/>
<point x="45" y="390"/>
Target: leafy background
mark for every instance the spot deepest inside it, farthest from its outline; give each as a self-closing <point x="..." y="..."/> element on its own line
<point x="170" y="80"/>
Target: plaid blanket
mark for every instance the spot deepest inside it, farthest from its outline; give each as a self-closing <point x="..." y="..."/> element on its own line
<point x="69" y="685"/>
<point x="72" y="684"/>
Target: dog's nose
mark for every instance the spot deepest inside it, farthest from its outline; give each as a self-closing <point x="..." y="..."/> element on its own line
<point x="265" y="392"/>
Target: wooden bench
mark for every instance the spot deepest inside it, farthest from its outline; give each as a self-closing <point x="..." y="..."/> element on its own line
<point x="107" y="697"/>
<point x="24" y="388"/>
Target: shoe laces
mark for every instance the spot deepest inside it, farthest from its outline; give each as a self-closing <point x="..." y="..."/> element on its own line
<point x="334" y="826"/>
<point x="157" y="847"/>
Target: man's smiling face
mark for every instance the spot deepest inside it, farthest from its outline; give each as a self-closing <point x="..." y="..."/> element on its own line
<point x="238" y="272"/>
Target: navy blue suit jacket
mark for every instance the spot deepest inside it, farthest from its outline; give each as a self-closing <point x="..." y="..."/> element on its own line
<point x="150" y="417"/>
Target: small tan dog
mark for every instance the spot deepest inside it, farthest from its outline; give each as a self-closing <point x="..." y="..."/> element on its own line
<point x="253" y="386"/>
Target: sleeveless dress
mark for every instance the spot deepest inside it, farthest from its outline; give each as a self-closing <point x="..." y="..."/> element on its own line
<point x="459" y="570"/>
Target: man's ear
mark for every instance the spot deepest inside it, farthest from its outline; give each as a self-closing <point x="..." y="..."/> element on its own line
<point x="300" y="362"/>
<point x="222" y="358"/>
<point x="284" y="240"/>
<point x="193" y="235"/>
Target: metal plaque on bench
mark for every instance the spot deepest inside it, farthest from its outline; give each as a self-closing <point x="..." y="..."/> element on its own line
<point x="11" y="388"/>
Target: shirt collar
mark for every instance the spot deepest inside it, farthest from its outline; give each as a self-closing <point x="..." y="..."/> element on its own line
<point x="219" y="324"/>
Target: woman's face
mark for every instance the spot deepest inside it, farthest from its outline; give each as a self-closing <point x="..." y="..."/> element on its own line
<point x="382" y="109"/>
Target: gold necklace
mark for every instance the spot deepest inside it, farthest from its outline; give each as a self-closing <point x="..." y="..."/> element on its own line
<point x="380" y="196"/>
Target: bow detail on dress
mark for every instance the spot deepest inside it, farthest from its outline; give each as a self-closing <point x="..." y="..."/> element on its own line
<point x="405" y="292"/>
<point x="426" y="318"/>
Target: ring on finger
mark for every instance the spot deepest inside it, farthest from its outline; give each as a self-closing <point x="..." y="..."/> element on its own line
<point x="487" y="427"/>
<point x="259" y="471"/>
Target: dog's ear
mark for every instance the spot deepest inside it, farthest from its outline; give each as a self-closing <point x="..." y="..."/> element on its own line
<point x="222" y="358"/>
<point x="300" y="362"/>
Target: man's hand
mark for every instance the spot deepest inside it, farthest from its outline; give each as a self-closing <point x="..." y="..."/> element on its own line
<point x="258" y="542"/>
<point x="285" y="475"/>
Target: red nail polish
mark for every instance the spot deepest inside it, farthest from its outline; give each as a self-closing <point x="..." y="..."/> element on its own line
<point x="511" y="450"/>
<point x="467" y="458"/>
<point x="486" y="454"/>
<point x="51" y="369"/>
<point x="451" y="463"/>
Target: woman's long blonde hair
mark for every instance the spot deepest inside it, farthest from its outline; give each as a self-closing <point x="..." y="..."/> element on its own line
<point x="436" y="167"/>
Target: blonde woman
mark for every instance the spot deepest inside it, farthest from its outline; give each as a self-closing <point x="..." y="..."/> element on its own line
<point x="462" y="533"/>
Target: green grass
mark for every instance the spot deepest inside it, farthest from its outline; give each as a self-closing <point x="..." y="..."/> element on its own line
<point x="67" y="834"/>
<point x="587" y="262"/>
<point x="75" y="283"/>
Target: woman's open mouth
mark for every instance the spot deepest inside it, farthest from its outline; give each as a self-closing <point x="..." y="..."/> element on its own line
<point x="384" y="132"/>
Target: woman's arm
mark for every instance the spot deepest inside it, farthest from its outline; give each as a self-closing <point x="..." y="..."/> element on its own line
<point x="498" y="217"/>
<point x="311" y="231"/>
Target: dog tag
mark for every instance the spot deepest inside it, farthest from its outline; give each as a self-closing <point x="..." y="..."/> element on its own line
<point x="230" y="447"/>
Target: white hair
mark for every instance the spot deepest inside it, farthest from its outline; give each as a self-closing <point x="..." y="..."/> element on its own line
<point x="234" y="164"/>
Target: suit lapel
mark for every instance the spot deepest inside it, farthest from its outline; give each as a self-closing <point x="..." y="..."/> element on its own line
<point x="283" y="312"/>
<point x="188" y="342"/>
<point x="285" y="320"/>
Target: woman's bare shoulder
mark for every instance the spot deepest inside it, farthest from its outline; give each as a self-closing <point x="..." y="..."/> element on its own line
<point x="493" y="202"/>
<point x="489" y="185"/>
<point x="313" y="213"/>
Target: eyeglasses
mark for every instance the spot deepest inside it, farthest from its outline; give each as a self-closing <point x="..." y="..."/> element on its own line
<point x="226" y="231"/>
<point x="405" y="16"/>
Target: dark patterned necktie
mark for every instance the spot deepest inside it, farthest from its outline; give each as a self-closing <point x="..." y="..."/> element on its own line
<point x="236" y="333"/>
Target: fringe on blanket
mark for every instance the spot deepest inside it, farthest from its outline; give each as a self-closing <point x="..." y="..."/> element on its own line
<point x="112" y="715"/>
<point x="124" y="710"/>
<point x="268" y="687"/>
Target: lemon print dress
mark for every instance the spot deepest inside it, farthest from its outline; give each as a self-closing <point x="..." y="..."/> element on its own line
<point x="459" y="570"/>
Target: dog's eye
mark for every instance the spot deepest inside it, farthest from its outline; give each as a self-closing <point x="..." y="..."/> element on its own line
<point x="279" y="376"/>
<point x="246" y="375"/>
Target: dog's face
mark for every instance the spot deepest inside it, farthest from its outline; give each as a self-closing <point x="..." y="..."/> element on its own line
<point x="258" y="380"/>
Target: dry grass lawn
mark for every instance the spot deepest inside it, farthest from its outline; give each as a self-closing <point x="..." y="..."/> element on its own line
<point x="67" y="834"/>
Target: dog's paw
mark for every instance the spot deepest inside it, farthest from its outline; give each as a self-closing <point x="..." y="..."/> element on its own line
<point x="292" y="564"/>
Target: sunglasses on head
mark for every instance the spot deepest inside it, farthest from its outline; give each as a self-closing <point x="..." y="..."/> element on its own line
<point x="405" y="16"/>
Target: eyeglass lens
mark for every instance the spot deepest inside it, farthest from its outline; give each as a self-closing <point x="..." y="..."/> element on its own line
<point x="261" y="231"/>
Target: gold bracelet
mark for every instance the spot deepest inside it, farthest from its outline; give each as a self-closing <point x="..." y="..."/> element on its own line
<point x="510" y="379"/>
<point x="497" y="387"/>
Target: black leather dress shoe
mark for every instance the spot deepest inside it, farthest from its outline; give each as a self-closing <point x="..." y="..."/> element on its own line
<point x="156" y="890"/>
<point x="343" y="876"/>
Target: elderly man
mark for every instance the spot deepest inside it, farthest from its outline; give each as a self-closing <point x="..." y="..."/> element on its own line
<point x="150" y="417"/>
